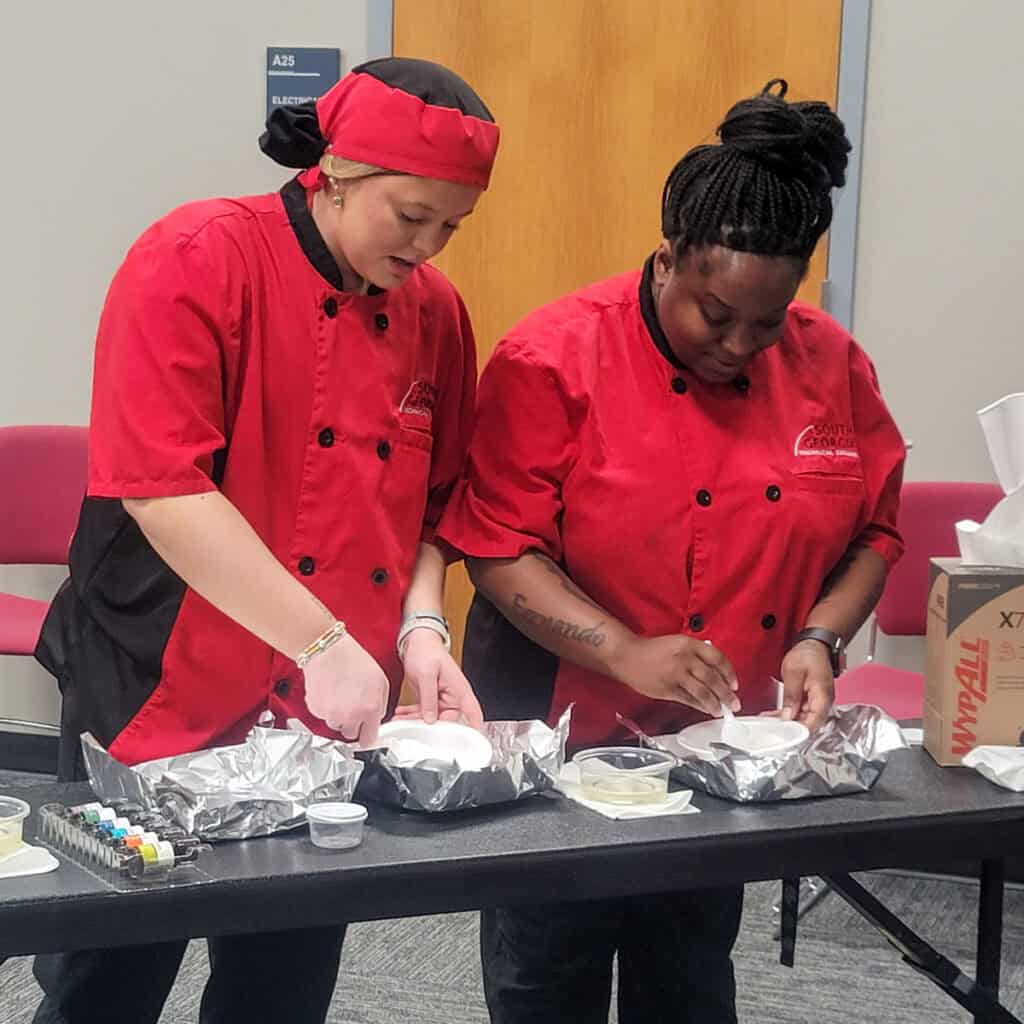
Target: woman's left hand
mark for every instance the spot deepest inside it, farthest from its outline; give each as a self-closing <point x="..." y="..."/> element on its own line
<point x="808" y="686"/>
<point x="444" y="692"/>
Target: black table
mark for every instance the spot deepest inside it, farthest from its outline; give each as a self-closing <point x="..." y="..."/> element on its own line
<point x="549" y="848"/>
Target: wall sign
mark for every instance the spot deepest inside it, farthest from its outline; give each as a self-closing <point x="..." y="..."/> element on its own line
<point x="296" y="74"/>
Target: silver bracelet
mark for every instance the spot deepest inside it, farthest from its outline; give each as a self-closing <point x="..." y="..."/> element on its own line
<point x="424" y="620"/>
<point x="326" y="639"/>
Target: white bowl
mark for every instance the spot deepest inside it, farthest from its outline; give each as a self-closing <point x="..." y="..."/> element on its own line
<point x="768" y="735"/>
<point x="411" y="741"/>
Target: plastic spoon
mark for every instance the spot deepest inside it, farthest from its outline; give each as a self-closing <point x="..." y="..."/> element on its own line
<point x="736" y="734"/>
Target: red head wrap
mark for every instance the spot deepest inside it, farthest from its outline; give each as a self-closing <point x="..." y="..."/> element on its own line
<point x="398" y="114"/>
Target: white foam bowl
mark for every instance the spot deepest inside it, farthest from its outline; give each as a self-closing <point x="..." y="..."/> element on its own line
<point x="411" y="741"/>
<point x="768" y="735"/>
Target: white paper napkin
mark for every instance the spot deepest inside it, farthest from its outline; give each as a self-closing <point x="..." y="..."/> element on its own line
<point x="27" y="860"/>
<point x="677" y="803"/>
<point x="1000" y="539"/>
<point x="1002" y="423"/>
<point x="1002" y="765"/>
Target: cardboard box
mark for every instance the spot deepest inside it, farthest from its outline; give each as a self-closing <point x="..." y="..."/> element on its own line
<point x="974" y="679"/>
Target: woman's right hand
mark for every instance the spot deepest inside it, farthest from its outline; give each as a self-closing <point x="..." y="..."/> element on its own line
<point x="678" y="668"/>
<point x="348" y="690"/>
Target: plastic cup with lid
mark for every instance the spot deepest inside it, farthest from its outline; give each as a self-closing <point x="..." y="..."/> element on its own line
<point x="334" y="825"/>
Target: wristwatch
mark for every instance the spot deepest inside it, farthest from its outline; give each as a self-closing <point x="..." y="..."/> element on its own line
<point x="833" y="641"/>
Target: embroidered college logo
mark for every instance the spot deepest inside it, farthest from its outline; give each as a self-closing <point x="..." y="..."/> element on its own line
<point x="420" y="399"/>
<point x="835" y="439"/>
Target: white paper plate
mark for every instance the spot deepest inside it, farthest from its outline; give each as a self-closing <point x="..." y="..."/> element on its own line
<point x="773" y="736"/>
<point x="411" y="741"/>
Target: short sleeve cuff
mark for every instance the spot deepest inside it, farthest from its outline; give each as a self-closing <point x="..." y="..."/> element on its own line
<point x="885" y="544"/>
<point x="197" y="483"/>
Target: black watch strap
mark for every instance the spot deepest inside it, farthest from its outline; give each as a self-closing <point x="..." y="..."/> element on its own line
<point x="833" y="641"/>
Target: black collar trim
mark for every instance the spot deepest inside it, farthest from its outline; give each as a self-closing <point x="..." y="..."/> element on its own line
<point x="312" y="243"/>
<point x="650" y="315"/>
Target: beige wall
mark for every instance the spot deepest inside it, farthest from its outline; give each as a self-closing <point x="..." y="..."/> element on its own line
<point x="939" y="290"/>
<point x="114" y="113"/>
<point x="938" y="280"/>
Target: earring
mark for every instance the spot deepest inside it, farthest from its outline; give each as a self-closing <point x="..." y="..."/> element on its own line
<point x="338" y="199"/>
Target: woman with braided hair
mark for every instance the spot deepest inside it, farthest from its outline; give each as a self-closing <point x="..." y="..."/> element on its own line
<point x="682" y="483"/>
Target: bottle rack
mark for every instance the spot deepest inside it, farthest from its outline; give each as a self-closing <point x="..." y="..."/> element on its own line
<point x="123" y="844"/>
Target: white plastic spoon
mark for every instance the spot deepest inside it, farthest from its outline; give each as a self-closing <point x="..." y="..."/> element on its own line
<point x="736" y="734"/>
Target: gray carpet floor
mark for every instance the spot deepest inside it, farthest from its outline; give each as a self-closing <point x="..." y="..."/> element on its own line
<point x="425" y="970"/>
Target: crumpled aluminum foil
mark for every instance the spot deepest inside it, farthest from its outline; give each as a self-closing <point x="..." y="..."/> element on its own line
<point x="846" y="755"/>
<point x="528" y="757"/>
<point x="257" y="788"/>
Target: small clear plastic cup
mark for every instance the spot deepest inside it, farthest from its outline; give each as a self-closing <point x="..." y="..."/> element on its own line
<point x="13" y="813"/>
<point x="624" y="775"/>
<point x="51" y="822"/>
<point x="335" y="825"/>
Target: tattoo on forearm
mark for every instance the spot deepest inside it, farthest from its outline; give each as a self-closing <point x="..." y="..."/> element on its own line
<point x="591" y="635"/>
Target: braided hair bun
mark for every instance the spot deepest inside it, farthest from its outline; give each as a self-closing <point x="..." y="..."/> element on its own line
<point x="799" y="140"/>
<point x="767" y="187"/>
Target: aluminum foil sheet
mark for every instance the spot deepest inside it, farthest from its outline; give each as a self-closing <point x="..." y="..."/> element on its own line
<point x="528" y="757"/>
<point x="257" y="788"/>
<point x="846" y="755"/>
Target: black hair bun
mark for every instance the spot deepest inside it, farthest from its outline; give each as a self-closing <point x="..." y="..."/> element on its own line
<point x="806" y="141"/>
<point x="293" y="137"/>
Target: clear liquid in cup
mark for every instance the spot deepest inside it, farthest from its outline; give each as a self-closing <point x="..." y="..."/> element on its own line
<point x="10" y="839"/>
<point x="624" y="788"/>
<point x="12" y="816"/>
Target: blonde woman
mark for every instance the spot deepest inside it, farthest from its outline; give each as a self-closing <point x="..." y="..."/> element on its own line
<point x="282" y="400"/>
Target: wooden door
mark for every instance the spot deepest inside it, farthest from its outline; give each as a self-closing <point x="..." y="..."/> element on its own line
<point x="597" y="100"/>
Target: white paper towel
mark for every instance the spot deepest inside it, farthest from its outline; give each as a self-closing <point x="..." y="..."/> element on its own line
<point x="27" y="860"/>
<point x="1002" y="765"/>
<point x="677" y="803"/>
<point x="1000" y="539"/>
<point x="1003" y="426"/>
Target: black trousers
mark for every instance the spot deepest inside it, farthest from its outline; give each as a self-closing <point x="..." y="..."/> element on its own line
<point x="266" y="978"/>
<point x="553" y="963"/>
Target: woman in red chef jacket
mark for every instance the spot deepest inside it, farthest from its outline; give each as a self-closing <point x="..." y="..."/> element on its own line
<point x="282" y="400"/>
<point x="682" y="483"/>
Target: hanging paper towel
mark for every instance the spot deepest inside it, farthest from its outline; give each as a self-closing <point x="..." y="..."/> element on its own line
<point x="1000" y="539"/>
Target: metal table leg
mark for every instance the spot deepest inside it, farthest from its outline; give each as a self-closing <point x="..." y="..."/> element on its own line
<point x="811" y="893"/>
<point x="789" y="913"/>
<point x="978" y="998"/>
<point x="990" y="928"/>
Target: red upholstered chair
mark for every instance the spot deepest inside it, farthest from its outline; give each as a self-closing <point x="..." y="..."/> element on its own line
<point x="42" y="482"/>
<point x="928" y="514"/>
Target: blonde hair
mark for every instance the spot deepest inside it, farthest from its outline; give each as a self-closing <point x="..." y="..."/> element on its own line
<point x="340" y="168"/>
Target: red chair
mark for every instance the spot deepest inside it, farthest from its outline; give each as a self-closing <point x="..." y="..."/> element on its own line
<point x="928" y="514"/>
<point x="42" y="483"/>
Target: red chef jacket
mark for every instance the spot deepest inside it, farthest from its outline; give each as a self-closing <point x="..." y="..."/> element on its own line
<point x="715" y="510"/>
<point x="228" y="356"/>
